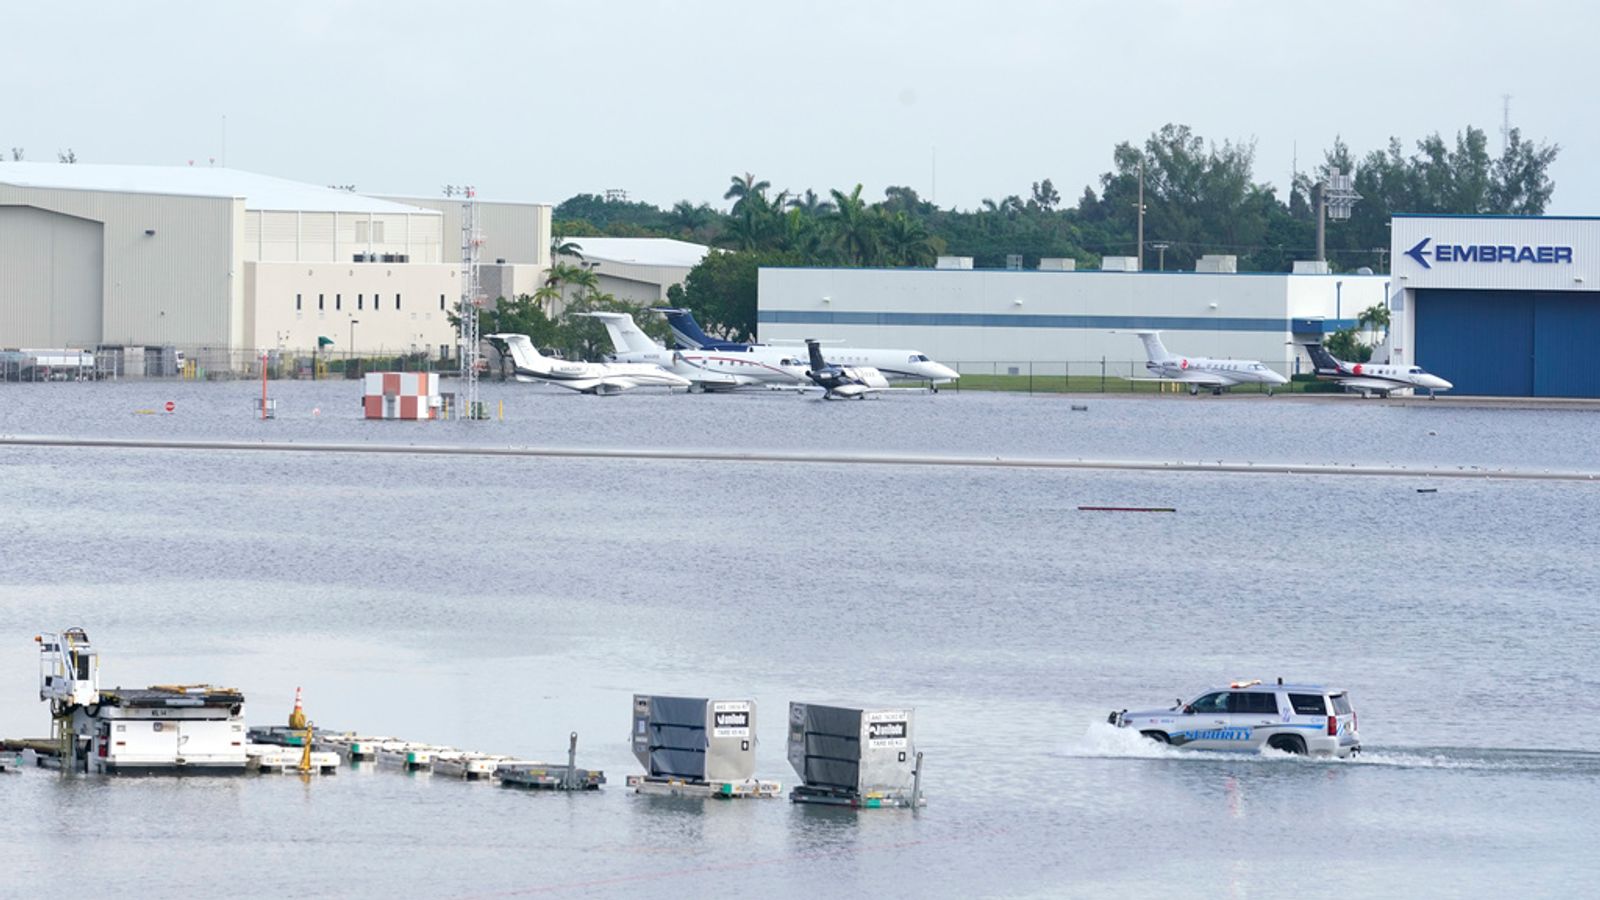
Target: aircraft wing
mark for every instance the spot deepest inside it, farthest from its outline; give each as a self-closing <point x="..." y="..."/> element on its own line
<point x="1370" y="384"/>
<point x="1204" y="379"/>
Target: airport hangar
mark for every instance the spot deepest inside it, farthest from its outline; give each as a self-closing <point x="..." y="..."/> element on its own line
<point x="1056" y="320"/>
<point x="226" y="263"/>
<point x="1500" y="305"/>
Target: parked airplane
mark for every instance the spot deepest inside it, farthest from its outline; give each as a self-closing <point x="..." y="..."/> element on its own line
<point x="895" y="365"/>
<point x="1199" y="372"/>
<point x="1372" y="379"/>
<point x="707" y="370"/>
<point x="588" y="378"/>
<point x="842" y="382"/>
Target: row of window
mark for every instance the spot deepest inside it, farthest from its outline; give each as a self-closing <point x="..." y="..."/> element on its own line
<point x="1263" y="703"/>
<point x="361" y="302"/>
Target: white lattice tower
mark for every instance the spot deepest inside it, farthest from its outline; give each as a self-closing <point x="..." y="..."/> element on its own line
<point x="471" y="300"/>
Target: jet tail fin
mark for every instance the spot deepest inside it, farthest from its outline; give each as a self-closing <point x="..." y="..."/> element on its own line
<point x="520" y="349"/>
<point x="815" y="350"/>
<point x="626" y="336"/>
<point x="1322" y="359"/>
<point x="685" y="330"/>
<point x="1153" y="347"/>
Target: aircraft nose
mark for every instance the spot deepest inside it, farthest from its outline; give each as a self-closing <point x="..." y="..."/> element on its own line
<point x="1439" y="384"/>
<point x="942" y="372"/>
<point x="1277" y="377"/>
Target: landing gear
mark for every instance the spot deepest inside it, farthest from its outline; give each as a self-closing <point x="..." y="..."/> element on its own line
<point x="1194" y="390"/>
<point x="1216" y="392"/>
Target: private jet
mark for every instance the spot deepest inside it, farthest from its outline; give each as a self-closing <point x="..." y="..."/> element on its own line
<point x="842" y="382"/>
<point x="587" y="378"/>
<point x="895" y="365"/>
<point x="707" y="370"/>
<point x="1369" y="379"/>
<point x="1200" y="372"/>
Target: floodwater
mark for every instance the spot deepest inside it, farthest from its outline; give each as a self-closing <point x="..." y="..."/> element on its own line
<point x="499" y="604"/>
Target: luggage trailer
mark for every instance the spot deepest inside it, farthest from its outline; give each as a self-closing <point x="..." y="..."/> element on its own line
<point x="848" y="756"/>
<point x="697" y="747"/>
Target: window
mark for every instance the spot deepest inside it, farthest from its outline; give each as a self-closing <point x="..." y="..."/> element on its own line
<point x="1308" y="704"/>
<point x="441" y="301"/>
<point x="377" y="232"/>
<point x="1257" y="702"/>
<point x="338" y="302"/>
<point x="1210" y="703"/>
<point x="319" y="302"/>
<point x="361" y="232"/>
<point x="1341" y="704"/>
<point x="396" y="301"/>
<point x="296" y="302"/>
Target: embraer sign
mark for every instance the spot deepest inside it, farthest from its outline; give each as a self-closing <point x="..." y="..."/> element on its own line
<point x="1487" y="253"/>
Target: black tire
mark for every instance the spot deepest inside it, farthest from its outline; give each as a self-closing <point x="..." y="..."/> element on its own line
<point x="1292" y="744"/>
<point x="1159" y="737"/>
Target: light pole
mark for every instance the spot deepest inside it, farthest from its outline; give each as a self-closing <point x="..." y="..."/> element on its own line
<point x="1161" y="253"/>
<point x="353" y="324"/>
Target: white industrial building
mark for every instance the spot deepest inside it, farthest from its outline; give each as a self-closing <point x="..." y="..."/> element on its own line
<point x="1056" y="321"/>
<point x="1499" y="305"/>
<point x="230" y="263"/>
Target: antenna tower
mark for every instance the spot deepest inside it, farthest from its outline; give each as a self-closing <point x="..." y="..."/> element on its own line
<point x="1505" y="123"/>
<point x="471" y="301"/>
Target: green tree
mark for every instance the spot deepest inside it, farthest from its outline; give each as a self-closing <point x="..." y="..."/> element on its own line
<point x="905" y="242"/>
<point x="1373" y="318"/>
<point x="721" y="291"/>
<point x="855" y="231"/>
<point x="1344" y="345"/>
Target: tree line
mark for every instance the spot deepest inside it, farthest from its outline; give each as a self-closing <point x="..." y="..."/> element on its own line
<point x="1200" y="197"/>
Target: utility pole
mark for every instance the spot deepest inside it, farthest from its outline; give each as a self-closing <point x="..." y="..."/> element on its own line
<point x="1140" y="236"/>
<point x="1505" y="123"/>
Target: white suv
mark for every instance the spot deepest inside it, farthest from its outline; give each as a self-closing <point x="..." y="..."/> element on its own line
<point x="1248" y="715"/>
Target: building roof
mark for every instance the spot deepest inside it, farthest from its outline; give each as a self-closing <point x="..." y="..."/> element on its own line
<point x="258" y="191"/>
<point x="642" y="251"/>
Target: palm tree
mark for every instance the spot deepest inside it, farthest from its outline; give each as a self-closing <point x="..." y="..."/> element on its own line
<point x="810" y="204"/>
<point x="560" y="246"/>
<point x="906" y="241"/>
<point x="854" y="229"/>
<point x="745" y="189"/>
<point x="1374" y="317"/>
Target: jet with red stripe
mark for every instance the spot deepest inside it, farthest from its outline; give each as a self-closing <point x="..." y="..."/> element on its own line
<point x="1370" y="378"/>
<point x="1202" y="372"/>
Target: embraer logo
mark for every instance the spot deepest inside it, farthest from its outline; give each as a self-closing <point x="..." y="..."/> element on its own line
<point x="1488" y="253"/>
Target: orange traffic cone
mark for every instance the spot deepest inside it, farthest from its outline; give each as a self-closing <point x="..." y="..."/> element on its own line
<point x="297" y="719"/>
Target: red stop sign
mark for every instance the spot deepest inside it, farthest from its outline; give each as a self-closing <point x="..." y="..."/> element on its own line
<point x="170" y="406"/>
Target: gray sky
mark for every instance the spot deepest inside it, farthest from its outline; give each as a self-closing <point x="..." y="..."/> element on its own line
<point x="539" y="101"/>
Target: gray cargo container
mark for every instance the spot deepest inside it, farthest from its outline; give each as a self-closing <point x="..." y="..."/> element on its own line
<point x="695" y="739"/>
<point x="852" y="751"/>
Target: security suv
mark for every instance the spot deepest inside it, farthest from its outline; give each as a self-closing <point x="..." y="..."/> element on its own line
<point x="1249" y="715"/>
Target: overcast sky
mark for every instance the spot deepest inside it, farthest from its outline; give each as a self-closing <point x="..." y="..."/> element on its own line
<point x="666" y="100"/>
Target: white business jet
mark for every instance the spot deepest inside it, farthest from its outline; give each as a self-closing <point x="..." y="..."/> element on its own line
<point x="1369" y="379"/>
<point x="588" y="378"/>
<point x="1200" y="372"/>
<point x="895" y="365"/>
<point x="707" y="370"/>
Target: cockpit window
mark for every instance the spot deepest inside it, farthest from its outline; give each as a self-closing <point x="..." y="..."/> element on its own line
<point x="1415" y="370"/>
<point x="917" y="357"/>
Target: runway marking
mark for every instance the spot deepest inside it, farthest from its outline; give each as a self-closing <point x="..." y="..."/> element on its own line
<point x="825" y="457"/>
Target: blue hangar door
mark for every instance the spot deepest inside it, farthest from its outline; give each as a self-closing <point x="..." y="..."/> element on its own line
<point x="1510" y="343"/>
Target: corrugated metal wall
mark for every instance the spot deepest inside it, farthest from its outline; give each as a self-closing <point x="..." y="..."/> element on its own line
<point x="50" y="279"/>
<point x="1510" y="343"/>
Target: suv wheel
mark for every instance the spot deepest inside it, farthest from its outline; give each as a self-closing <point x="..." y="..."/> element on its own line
<point x="1288" y="743"/>
<point x="1159" y="737"/>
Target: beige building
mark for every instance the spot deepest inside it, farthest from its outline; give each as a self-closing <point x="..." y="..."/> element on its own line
<point x="637" y="270"/>
<point x="229" y="262"/>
